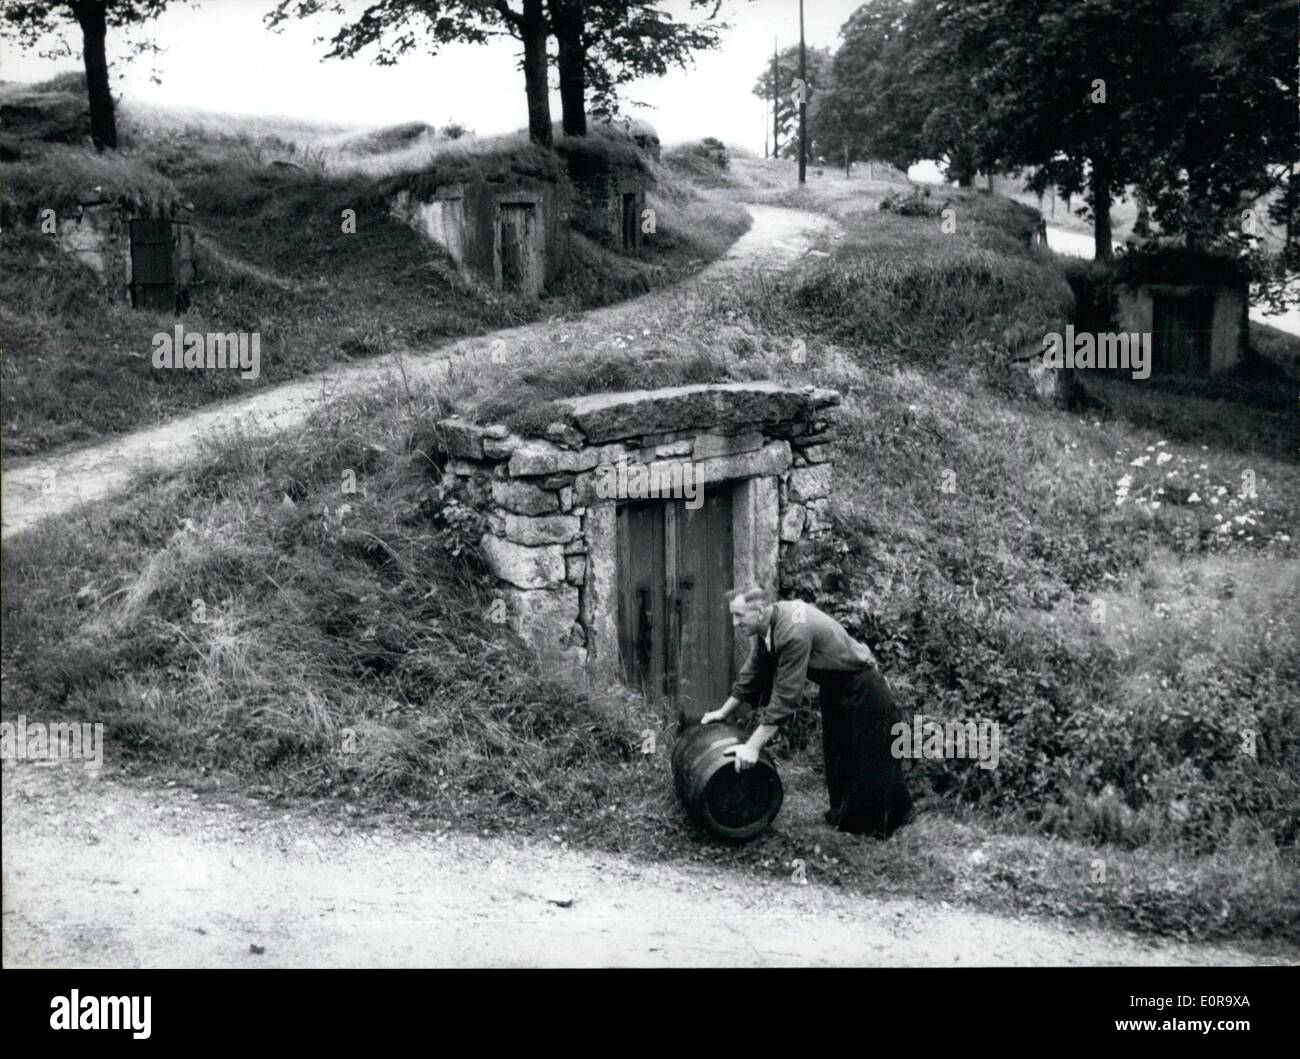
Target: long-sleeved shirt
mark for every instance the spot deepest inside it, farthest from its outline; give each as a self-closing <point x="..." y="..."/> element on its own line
<point x="800" y="638"/>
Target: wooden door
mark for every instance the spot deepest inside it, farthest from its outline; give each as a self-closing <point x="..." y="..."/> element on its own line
<point x="153" y="265"/>
<point x="1181" y="329"/>
<point x="518" y="252"/>
<point x="675" y="634"/>
<point x="631" y="225"/>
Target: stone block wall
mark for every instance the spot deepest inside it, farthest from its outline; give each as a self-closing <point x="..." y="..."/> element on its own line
<point x="551" y="526"/>
<point x="1135" y="311"/>
<point x="464" y="218"/>
<point x="98" y="235"/>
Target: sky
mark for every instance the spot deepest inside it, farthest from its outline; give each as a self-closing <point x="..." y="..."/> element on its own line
<point x="219" y="56"/>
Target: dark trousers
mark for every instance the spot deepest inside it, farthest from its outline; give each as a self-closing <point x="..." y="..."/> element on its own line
<point x="865" y="781"/>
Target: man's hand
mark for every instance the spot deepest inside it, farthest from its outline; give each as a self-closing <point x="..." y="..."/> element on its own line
<point x="713" y="715"/>
<point x="746" y="756"/>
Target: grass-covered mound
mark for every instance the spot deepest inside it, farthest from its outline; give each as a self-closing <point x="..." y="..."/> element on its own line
<point x="273" y="256"/>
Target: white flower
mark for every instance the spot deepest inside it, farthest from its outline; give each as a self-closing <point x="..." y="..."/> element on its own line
<point x="1141" y="461"/>
<point x="1204" y="467"/>
<point x="1151" y="448"/>
<point x="1214" y="500"/>
<point x="1163" y="457"/>
<point x="1194" y="498"/>
<point x="1159" y="443"/>
<point x="1155" y="504"/>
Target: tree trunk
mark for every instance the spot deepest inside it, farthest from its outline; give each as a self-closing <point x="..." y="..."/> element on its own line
<point x="103" y="124"/>
<point x="567" y="24"/>
<point x="533" y="31"/>
<point x="1099" y="186"/>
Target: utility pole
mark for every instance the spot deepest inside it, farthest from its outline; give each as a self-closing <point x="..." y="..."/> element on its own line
<point x="803" y="104"/>
<point x="776" y="100"/>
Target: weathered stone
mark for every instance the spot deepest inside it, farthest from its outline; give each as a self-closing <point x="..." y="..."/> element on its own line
<point x="496" y="430"/>
<point x="558" y="481"/>
<point x="578" y="547"/>
<point x="524" y="499"/>
<point x="523" y="566"/>
<point x="544" y="529"/>
<point x="611" y="416"/>
<point x="501" y="448"/>
<point x="673" y="448"/>
<point x="463" y="439"/>
<point x="792" y="522"/>
<point x="536" y="457"/>
<point x="809" y="483"/>
<point x="772" y="459"/>
<point x="819" y="518"/>
<point x="544" y="618"/>
<point x="464" y="468"/>
<point x="816" y="453"/>
<point x="709" y="446"/>
<point x="599" y="597"/>
<point x="575" y="568"/>
<point x="564" y="434"/>
<point x="566" y="498"/>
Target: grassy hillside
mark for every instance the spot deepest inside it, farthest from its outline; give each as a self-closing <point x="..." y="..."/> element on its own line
<point x="350" y="658"/>
<point x="272" y="257"/>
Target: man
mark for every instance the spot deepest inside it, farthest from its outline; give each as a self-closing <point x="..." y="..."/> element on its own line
<point x="795" y="642"/>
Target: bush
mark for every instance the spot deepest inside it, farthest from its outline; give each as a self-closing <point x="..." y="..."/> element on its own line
<point x="915" y="203"/>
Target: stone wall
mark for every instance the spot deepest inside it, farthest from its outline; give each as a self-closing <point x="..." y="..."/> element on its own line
<point x="464" y="219"/>
<point x="551" y="531"/>
<point x="599" y="185"/>
<point x="98" y="235"/>
<point x="1135" y="311"/>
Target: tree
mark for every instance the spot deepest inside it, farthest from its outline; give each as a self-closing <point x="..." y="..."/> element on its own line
<point x="604" y="44"/>
<point x="32" y="21"/>
<point x="847" y="111"/>
<point x="391" y="28"/>
<point x="600" y="44"/>
<point x="1226" y="111"/>
<point x="787" y="103"/>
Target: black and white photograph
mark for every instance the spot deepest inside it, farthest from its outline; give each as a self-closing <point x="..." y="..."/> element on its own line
<point x="676" y="485"/>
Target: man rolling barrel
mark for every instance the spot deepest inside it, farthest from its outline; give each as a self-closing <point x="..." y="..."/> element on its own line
<point x="795" y="642"/>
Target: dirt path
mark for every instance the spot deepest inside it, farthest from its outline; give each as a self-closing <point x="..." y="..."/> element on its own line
<point x="34" y="489"/>
<point x="104" y="872"/>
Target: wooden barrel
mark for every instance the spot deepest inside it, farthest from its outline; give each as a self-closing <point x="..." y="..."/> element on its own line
<point x="731" y="804"/>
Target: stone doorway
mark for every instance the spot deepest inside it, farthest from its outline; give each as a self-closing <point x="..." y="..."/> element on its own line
<point x="674" y="563"/>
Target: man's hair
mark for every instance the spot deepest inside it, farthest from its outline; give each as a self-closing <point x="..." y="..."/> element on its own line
<point x="750" y="594"/>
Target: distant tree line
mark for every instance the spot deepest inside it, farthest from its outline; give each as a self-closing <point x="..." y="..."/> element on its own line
<point x="1192" y="104"/>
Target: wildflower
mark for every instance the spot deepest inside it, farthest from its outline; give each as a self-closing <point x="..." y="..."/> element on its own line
<point x="1163" y="457"/>
<point x="1194" y="498"/>
<point x="1141" y="461"/>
